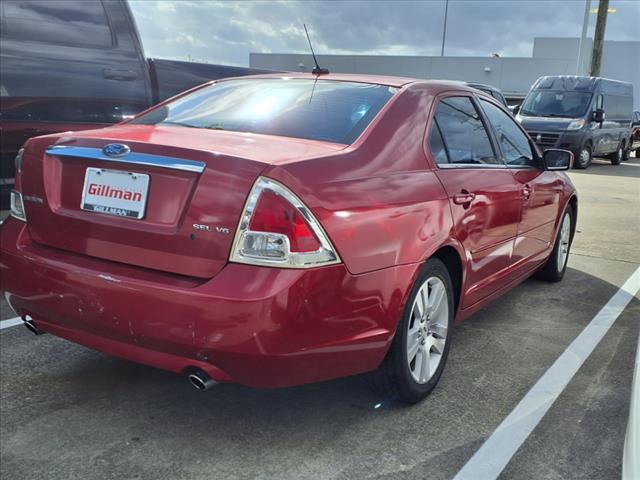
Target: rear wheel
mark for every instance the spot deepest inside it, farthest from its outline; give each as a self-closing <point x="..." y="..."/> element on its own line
<point x="617" y="156"/>
<point x="553" y="270"/>
<point x="583" y="157"/>
<point x="420" y="347"/>
<point x="626" y="151"/>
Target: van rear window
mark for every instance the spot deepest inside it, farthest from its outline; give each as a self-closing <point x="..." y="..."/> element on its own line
<point x="317" y="110"/>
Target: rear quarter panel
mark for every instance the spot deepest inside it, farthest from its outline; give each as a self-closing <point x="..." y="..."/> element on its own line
<point x="378" y="201"/>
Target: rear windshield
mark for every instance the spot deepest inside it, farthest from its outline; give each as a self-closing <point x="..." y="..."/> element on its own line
<point x="317" y="110"/>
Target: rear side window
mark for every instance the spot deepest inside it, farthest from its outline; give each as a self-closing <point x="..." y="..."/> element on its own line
<point x="465" y="139"/>
<point x="436" y="144"/>
<point x="317" y="110"/>
<point x="514" y="143"/>
<point x="64" y="22"/>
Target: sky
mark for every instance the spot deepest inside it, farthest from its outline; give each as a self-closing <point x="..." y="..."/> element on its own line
<point x="225" y="32"/>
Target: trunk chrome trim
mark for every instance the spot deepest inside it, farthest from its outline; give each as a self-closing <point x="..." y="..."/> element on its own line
<point x="135" y="158"/>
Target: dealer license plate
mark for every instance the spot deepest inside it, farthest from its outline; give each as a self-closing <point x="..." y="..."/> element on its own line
<point x="115" y="192"/>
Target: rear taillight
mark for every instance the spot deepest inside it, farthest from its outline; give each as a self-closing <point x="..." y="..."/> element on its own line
<point x="277" y="229"/>
<point x="18" y="168"/>
<point x="17" y="204"/>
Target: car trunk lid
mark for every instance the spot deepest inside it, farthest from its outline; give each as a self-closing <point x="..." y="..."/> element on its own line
<point x="193" y="184"/>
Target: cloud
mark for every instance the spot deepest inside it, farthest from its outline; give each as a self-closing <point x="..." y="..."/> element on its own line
<point x="226" y="32"/>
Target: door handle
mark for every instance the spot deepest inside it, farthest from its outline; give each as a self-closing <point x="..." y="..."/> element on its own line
<point x="119" y="74"/>
<point x="526" y="192"/>
<point x="463" y="198"/>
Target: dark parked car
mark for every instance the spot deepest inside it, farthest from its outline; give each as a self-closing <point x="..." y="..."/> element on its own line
<point x="74" y="65"/>
<point x="313" y="243"/>
<point x="587" y="115"/>
<point x="490" y="90"/>
<point x="635" y="133"/>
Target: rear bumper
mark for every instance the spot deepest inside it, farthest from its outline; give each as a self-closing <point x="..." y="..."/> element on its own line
<point x="261" y="327"/>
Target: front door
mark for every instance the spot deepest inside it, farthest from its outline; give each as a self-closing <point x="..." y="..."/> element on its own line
<point x="483" y="194"/>
<point x="540" y="190"/>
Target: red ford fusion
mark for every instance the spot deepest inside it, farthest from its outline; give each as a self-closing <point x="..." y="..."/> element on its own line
<point x="274" y="231"/>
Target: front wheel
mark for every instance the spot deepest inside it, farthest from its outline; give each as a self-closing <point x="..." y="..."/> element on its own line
<point x="417" y="356"/>
<point x="553" y="270"/>
<point x="583" y="157"/>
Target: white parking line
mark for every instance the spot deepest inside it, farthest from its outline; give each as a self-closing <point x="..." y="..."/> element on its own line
<point x="12" y="322"/>
<point x="497" y="450"/>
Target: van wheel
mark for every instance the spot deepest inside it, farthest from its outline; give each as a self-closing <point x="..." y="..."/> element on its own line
<point x="583" y="157"/>
<point x="419" y="351"/>
<point x="626" y="151"/>
<point x="553" y="270"/>
<point x="616" y="157"/>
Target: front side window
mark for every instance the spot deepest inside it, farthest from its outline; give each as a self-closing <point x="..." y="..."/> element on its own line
<point x="61" y="22"/>
<point x="556" y="103"/>
<point x="324" y="110"/>
<point x="513" y="142"/>
<point x="465" y="139"/>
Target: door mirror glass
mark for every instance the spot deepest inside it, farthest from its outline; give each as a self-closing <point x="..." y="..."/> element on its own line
<point x="598" y="115"/>
<point x="555" y="159"/>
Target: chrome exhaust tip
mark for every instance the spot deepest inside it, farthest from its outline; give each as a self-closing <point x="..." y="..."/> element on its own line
<point x="31" y="326"/>
<point x="201" y="380"/>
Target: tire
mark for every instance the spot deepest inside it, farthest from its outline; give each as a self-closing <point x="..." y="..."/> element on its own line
<point x="617" y="156"/>
<point x="583" y="157"/>
<point x="637" y="152"/>
<point x="555" y="266"/>
<point x="626" y="151"/>
<point x="402" y="377"/>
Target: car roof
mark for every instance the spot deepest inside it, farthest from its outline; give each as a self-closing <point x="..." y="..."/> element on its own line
<point x="390" y="81"/>
<point x="339" y="77"/>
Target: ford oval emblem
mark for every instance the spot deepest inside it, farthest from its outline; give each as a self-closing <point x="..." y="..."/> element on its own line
<point x="116" y="150"/>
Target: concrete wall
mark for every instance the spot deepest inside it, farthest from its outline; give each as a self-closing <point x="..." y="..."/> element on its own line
<point x="513" y="75"/>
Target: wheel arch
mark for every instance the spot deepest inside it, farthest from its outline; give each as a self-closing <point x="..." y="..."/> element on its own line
<point x="573" y="203"/>
<point x="450" y="256"/>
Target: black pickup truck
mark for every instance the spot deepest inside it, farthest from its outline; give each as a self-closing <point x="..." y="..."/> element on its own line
<point x="78" y="64"/>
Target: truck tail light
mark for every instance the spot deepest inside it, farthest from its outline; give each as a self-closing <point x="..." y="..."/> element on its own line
<point x="277" y="229"/>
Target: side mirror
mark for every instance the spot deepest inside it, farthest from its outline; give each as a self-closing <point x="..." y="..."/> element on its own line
<point x="598" y="115"/>
<point x="515" y="109"/>
<point x="556" y="159"/>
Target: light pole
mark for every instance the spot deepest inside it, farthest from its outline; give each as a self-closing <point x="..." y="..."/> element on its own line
<point x="444" y="29"/>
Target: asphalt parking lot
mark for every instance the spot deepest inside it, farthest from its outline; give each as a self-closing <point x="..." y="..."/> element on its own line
<point x="67" y="412"/>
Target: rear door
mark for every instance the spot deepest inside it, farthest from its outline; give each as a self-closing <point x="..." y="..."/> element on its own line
<point x="540" y="191"/>
<point x="483" y="194"/>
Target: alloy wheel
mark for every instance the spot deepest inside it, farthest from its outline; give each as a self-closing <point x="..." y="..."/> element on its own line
<point x="427" y="330"/>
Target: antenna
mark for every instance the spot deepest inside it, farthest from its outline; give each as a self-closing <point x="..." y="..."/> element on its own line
<point x="317" y="70"/>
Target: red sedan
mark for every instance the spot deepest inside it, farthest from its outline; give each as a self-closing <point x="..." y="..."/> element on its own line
<point x="275" y="231"/>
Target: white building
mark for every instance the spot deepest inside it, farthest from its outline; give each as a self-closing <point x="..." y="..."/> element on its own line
<point x="513" y="75"/>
